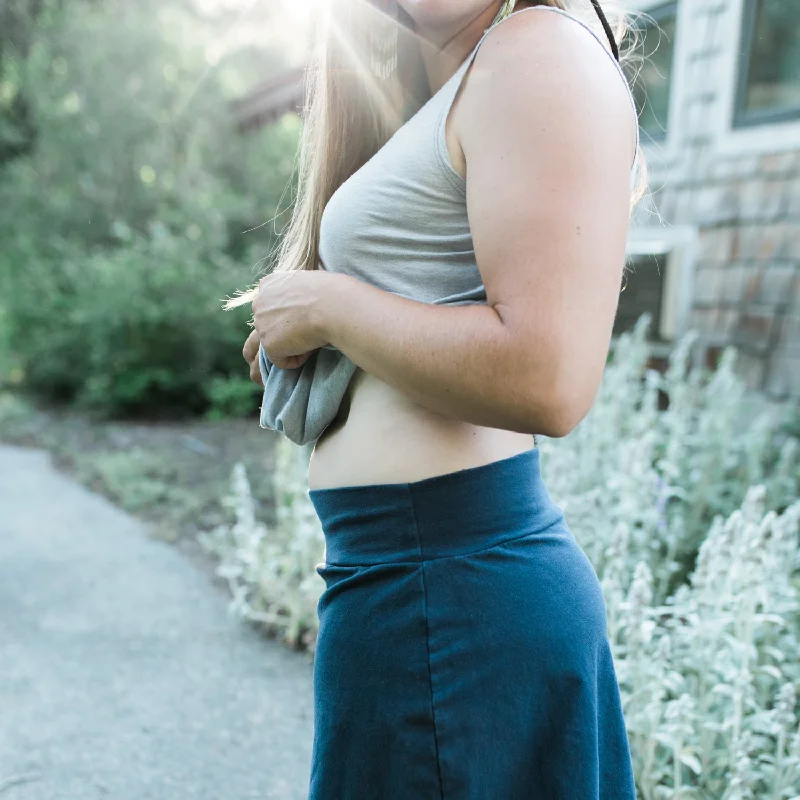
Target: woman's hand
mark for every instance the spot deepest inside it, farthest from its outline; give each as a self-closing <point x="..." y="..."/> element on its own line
<point x="288" y="314"/>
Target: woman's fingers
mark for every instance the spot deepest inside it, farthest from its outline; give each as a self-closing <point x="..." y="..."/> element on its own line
<point x="255" y="373"/>
<point x="250" y="354"/>
<point x="291" y="362"/>
<point x="250" y="349"/>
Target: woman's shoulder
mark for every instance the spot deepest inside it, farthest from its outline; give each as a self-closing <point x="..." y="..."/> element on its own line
<point x="541" y="63"/>
<point x="538" y="30"/>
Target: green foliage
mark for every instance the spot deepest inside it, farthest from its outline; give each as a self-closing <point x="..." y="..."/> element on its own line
<point x="18" y="20"/>
<point x="124" y="228"/>
<point x="14" y="413"/>
<point x="6" y="359"/>
<point x="135" y="133"/>
<point x="232" y="397"/>
<point x="138" y="328"/>
<point x="135" y="479"/>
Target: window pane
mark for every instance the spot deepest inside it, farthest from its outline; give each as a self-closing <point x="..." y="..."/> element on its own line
<point x="644" y="288"/>
<point x="773" y="72"/>
<point x="651" y="86"/>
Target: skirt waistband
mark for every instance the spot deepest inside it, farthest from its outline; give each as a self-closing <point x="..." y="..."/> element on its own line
<point x="447" y="515"/>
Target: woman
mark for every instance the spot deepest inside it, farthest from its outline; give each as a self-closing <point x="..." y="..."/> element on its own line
<point x="459" y="238"/>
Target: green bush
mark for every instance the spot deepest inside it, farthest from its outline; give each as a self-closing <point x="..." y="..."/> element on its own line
<point x="6" y="361"/>
<point x="232" y="397"/>
<point x="123" y="228"/>
<point x="137" y="329"/>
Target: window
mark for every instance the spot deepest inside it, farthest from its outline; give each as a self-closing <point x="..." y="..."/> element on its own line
<point x="659" y="280"/>
<point x="643" y="292"/>
<point x="769" y="71"/>
<point x="651" y="86"/>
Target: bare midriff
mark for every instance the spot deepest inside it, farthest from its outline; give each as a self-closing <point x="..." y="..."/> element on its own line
<point x="381" y="436"/>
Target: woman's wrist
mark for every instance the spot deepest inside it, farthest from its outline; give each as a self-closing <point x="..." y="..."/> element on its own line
<point x="327" y="305"/>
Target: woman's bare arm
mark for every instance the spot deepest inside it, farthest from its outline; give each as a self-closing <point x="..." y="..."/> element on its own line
<point x="547" y="132"/>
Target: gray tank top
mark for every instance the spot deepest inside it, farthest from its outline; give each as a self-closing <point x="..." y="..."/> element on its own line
<point x="400" y="223"/>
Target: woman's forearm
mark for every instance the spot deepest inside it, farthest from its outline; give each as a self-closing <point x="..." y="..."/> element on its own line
<point x="459" y="361"/>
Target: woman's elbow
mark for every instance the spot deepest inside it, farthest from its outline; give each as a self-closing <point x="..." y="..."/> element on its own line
<point x="557" y="410"/>
<point x="553" y="393"/>
<point x="558" y="422"/>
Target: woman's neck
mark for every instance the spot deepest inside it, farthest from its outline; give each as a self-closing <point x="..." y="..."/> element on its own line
<point x="443" y="51"/>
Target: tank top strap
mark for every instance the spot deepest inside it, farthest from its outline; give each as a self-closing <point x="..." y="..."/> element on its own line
<point x="450" y="89"/>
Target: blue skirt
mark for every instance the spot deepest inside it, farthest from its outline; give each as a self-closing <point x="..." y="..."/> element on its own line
<point x="463" y="651"/>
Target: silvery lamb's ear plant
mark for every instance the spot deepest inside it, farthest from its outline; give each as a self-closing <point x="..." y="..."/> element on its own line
<point x="689" y="514"/>
<point x="665" y="474"/>
<point x="271" y="571"/>
<point x="708" y="677"/>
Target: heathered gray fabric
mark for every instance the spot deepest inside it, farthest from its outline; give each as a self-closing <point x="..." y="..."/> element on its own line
<point x="400" y="223"/>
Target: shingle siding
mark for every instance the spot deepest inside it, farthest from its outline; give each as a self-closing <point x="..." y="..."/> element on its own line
<point x="744" y="204"/>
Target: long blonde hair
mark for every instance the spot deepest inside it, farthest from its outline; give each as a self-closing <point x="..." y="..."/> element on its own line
<point x="350" y="114"/>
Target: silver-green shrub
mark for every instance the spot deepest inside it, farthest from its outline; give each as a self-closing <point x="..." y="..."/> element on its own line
<point x="709" y="676"/>
<point x="688" y="510"/>
<point x="659" y="477"/>
<point x="270" y="570"/>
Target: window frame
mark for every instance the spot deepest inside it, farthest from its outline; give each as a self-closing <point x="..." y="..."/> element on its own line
<point x="742" y="118"/>
<point x="677" y="245"/>
<point x="659" y="10"/>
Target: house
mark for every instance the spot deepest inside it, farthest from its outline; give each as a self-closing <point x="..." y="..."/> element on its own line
<point x="719" y="99"/>
<point x="716" y="246"/>
<point x="269" y="101"/>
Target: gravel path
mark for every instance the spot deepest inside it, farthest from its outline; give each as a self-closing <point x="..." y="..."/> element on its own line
<point x="121" y="674"/>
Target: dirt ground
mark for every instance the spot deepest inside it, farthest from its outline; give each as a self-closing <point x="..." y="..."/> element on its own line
<point x="172" y="475"/>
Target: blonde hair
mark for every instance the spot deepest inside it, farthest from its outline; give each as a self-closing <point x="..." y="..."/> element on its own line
<point x="349" y="114"/>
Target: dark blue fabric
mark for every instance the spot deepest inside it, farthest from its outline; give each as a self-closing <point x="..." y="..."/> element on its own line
<point x="462" y="650"/>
